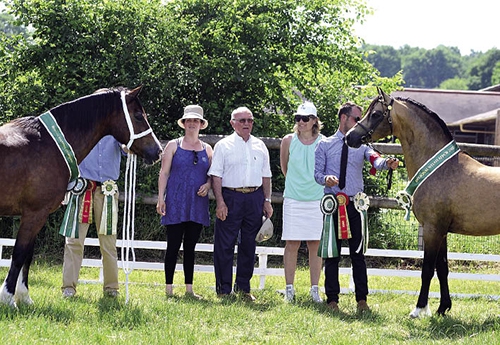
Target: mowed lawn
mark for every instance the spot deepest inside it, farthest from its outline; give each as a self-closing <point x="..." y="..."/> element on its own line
<point x="151" y="318"/>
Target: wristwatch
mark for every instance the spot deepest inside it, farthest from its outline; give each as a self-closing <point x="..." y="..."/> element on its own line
<point x="267" y="199"/>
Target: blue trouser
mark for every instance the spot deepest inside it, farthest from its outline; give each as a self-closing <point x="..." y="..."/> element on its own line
<point x="332" y="286"/>
<point x="244" y="219"/>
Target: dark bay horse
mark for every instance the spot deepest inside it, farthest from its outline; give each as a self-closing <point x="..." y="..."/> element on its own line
<point x="34" y="173"/>
<point x="460" y="196"/>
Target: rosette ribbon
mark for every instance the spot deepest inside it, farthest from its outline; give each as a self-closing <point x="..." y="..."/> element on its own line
<point x="328" y="243"/>
<point x="343" y="219"/>
<point x="361" y="204"/>
<point x="109" y="216"/>
<point x="69" y="225"/>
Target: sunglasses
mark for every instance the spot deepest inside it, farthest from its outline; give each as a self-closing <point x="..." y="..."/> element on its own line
<point x="195" y="161"/>
<point x="304" y="118"/>
<point x="356" y="118"/>
<point x="242" y="121"/>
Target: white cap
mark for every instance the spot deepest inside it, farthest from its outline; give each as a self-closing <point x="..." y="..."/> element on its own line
<point x="266" y="230"/>
<point x="307" y="108"/>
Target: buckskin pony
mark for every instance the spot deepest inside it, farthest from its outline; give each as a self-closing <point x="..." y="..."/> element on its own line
<point x="449" y="191"/>
<point x="39" y="157"/>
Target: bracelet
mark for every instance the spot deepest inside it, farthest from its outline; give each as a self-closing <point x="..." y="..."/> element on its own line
<point x="267" y="199"/>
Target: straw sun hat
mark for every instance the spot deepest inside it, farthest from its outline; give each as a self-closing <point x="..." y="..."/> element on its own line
<point x="193" y="112"/>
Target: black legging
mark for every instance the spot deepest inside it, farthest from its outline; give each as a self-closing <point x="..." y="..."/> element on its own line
<point x="175" y="232"/>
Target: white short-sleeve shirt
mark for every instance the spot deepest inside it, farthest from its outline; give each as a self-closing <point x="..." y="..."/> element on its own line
<point x="240" y="163"/>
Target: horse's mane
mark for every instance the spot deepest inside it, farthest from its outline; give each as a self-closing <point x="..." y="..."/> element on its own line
<point x="432" y="114"/>
<point x="81" y="114"/>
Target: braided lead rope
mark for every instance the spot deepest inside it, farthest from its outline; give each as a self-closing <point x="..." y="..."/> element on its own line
<point x="128" y="221"/>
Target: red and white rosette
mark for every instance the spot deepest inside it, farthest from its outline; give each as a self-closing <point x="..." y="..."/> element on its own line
<point x="343" y="219"/>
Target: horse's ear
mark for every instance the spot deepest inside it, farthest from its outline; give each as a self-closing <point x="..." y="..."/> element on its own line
<point x="135" y="92"/>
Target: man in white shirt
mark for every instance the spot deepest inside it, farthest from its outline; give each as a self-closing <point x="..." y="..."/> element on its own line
<point x="241" y="182"/>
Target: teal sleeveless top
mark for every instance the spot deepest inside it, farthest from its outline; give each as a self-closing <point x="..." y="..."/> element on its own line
<point x="299" y="182"/>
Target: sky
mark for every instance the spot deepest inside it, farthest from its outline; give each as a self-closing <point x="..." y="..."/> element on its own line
<point x="468" y="25"/>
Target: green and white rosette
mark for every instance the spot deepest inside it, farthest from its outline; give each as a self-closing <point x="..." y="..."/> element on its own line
<point x="405" y="200"/>
<point x="328" y="243"/>
<point x="361" y="204"/>
<point x="69" y="225"/>
<point x="109" y="217"/>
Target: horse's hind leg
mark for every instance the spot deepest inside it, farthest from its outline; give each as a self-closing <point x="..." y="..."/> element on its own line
<point x="442" y="273"/>
<point x="21" y="259"/>
<point x="22" y="293"/>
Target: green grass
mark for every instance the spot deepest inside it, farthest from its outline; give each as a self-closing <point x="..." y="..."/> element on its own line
<point x="150" y="318"/>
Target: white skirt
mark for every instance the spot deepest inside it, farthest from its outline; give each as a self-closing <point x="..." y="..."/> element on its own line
<point x="302" y="220"/>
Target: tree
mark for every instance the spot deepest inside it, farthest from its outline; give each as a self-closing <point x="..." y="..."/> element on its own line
<point x="481" y="69"/>
<point x="384" y="58"/>
<point x="495" y="77"/>
<point x="454" y="84"/>
<point x="217" y="54"/>
<point x="428" y="68"/>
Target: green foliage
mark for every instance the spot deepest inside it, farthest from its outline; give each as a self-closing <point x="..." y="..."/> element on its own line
<point x="385" y="58"/>
<point x="495" y="76"/>
<point x="217" y="54"/>
<point x="267" y="55"/>
<point x="481" y="69"/>
<point x="455" y="83"/>
<point x="441" y="67"/>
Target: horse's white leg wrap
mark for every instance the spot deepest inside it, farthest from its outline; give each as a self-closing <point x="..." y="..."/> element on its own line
<point x="6" y="297"/>
<point x="421" y="312"/>
<point x="22" y="294"/>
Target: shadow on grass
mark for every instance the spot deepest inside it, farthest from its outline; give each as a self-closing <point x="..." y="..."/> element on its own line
<point x="445" y="327"/>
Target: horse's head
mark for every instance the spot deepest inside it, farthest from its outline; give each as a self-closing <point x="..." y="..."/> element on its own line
<point x="375" y="124"/>
<point x="138" y="136"/>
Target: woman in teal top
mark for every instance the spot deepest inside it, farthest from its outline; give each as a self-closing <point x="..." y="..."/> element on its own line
<point x="302" y="217"/>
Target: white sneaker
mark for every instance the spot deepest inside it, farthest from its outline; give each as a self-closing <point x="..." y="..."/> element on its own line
<point x="289" y="293"/>
<point x="314" y="292"/>
<point x="68" y="292"/>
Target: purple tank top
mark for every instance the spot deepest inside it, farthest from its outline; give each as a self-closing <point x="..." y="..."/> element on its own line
<point x="187" y="173"/>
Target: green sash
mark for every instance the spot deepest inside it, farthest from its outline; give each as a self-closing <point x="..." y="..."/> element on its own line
<point x="64" y="147"/>
<point x="404" y="198"/>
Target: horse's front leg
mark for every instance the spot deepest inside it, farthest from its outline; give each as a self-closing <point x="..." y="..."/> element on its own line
<point x="431" y="249"/>
<point x="442" y="273"/>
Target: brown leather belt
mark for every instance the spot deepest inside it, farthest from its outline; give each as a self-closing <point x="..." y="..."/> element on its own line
<point x="244" y="190"/>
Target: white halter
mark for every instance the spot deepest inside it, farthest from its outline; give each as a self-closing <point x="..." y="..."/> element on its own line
<point x="133" y="136"/>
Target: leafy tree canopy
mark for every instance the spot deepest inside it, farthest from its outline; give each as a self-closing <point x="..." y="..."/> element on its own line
<point x="219" y="54"/>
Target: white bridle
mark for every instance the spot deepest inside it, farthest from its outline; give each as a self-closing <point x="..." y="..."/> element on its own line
<point x="134" y="136"/>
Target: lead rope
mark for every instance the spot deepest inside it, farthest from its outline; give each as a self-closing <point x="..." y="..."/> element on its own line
<point x="128" y="220"/>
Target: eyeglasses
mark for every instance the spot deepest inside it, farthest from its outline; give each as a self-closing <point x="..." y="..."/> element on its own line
<point x="356" y="118"/>
<point x="195" y="161"/>
<point x="242" y="121"/>
<point x="304" y="118"/>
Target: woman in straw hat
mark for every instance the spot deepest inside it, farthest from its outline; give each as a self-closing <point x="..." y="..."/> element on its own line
<point x="183" y="187"/>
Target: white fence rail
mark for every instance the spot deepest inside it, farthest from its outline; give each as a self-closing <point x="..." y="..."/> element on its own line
<point x="262" y="270"/>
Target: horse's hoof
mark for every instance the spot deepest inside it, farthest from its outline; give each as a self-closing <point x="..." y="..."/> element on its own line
<point x="24" y="299"/>
<point x="7" y="298"/>
<point x="421" y="312"/>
